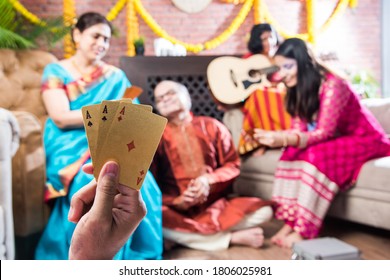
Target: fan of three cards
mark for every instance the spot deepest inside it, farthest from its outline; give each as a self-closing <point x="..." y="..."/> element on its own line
<point x="126" y="133"/>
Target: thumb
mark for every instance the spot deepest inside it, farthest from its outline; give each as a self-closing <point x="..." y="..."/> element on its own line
<point x="106" y="190"/>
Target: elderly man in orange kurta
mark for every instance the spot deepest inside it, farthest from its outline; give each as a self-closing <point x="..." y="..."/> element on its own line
<point x="195" y="166"/>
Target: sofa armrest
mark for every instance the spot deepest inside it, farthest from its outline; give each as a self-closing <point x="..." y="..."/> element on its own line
<point x="28" y="177"/>
<point x="233" y="119"/>
<point x="380" y="108"/>
<point x="9" y="143"/>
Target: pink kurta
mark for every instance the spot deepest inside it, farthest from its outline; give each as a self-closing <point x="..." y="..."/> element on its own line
<point x="344" y="136"/>
<point x="201" y="146"/>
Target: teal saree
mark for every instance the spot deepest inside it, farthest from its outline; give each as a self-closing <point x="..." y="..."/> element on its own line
<point x="67" y="150"/>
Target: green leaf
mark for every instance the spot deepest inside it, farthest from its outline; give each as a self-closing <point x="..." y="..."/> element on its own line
<point x="7" y="19"/>
<point x="11" y="40"/>
<point x="51" y="33"/>
<point x="18" y="32"/>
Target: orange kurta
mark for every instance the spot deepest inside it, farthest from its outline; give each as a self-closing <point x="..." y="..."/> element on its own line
<point x="201" y="146"/>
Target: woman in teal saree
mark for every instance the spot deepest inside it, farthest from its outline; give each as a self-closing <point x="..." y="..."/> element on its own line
<point x="67" y="86"/>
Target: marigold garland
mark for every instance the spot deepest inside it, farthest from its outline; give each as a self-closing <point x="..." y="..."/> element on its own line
<point x="113" y="13"/>
<point x="310" y="7"/>
<point x="69" y="20"/>
<point x="132" y="27"/>
<point x="258" y="15"/>
<point x="268" y="18"/>
<point x="236" y="23"/>
<point x="340" y="8"/>
<point x="25" y="13"/>
<point x="353" y="3"/>
<point x="235" y="2"/>
<point x="261" y="14"/>
<point x="159" y="31"/>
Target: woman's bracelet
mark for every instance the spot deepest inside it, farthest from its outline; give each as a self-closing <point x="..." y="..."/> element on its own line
<point x="284" y="135"/>
<point x="285" y="139"/>
<point x="298" y="138"/>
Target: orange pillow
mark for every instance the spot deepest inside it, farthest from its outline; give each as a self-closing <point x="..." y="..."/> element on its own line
<point x="264" y="109"/>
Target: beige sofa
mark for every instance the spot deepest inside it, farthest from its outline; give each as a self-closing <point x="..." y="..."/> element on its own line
<point x="20" y="97"/>
<point x="367" y="203"/>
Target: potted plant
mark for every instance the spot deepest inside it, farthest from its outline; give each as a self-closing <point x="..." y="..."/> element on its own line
<point x="139" y="45"/>
<point x="365" y="84"/>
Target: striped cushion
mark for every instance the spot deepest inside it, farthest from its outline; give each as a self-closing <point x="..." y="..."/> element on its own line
<point x="263" y="109"/>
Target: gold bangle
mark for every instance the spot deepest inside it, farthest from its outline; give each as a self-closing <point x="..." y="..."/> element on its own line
<point x="298" y="139"/>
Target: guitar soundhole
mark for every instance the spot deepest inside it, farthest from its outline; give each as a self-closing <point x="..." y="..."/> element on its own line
<point x="253" y="73"/>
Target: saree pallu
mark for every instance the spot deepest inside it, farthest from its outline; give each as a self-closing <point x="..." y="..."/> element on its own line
<point x="67" y="150"/>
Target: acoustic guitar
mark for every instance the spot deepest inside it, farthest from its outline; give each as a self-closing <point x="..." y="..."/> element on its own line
<point x="232" y="79"/>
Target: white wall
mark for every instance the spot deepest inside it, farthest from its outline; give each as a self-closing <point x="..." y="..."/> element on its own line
<point x="386" y="48"/>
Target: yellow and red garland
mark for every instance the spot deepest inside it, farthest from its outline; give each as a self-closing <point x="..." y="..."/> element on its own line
<point x="260" y="13"/>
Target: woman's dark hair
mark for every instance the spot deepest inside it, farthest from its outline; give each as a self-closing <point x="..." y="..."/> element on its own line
<point x="303" y="99"/>
<point x="89" y="19"/>
<point x="255" y="45"/>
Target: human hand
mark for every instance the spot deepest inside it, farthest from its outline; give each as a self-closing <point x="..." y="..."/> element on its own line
<point x="273" y="139"/>
<point x="200" y="187"/>
<point x="248" y="136"/>
<point x="106" y="213"/>
<point x="196" y="193"/>
<point x="184" y="201"/>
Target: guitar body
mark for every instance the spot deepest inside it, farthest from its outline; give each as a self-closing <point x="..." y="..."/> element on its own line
<point x="232" y="79"/>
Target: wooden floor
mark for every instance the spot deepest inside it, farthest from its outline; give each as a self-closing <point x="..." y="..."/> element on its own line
<point x="373" y="243"/>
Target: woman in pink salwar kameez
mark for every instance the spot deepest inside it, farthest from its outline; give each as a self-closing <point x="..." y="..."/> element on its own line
<point x="332" y="136"/>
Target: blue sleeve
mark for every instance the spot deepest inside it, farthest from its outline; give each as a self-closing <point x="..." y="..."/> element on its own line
<point x="54" y="70"/>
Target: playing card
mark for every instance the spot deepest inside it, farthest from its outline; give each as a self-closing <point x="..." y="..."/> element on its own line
<point x="132" y="141"/>
<point x="91" y="124"/>
<point x="132" y="92"/>
<point x="107" y="112"/>
<point x="108" y="109"/>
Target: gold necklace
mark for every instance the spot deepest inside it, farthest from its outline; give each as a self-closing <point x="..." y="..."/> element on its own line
<point x="83" y="74"/>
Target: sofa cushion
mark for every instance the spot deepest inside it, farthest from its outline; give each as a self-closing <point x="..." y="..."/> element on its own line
<point x="380" y="107"/>
<point x="375" y="175"/>
<point x="265" y="163"/>
<point x="20" y="80"/>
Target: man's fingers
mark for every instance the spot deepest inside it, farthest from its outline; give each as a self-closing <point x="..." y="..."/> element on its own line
<point x="88" y="168"/>
<point x="106" y="190"/>
<point x="130" y="200"/>
<point x="80" y="200"/>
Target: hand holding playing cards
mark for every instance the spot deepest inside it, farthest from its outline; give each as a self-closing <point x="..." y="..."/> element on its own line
<point x="106" y="214"/>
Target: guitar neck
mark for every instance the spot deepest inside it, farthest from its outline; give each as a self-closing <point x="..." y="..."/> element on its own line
<point x="268" y="70"/>
<point x="262" y="71"/>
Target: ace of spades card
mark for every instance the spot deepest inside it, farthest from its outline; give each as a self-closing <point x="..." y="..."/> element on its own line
<point x="91" y="124"/>
<point x="131" y="140"/>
